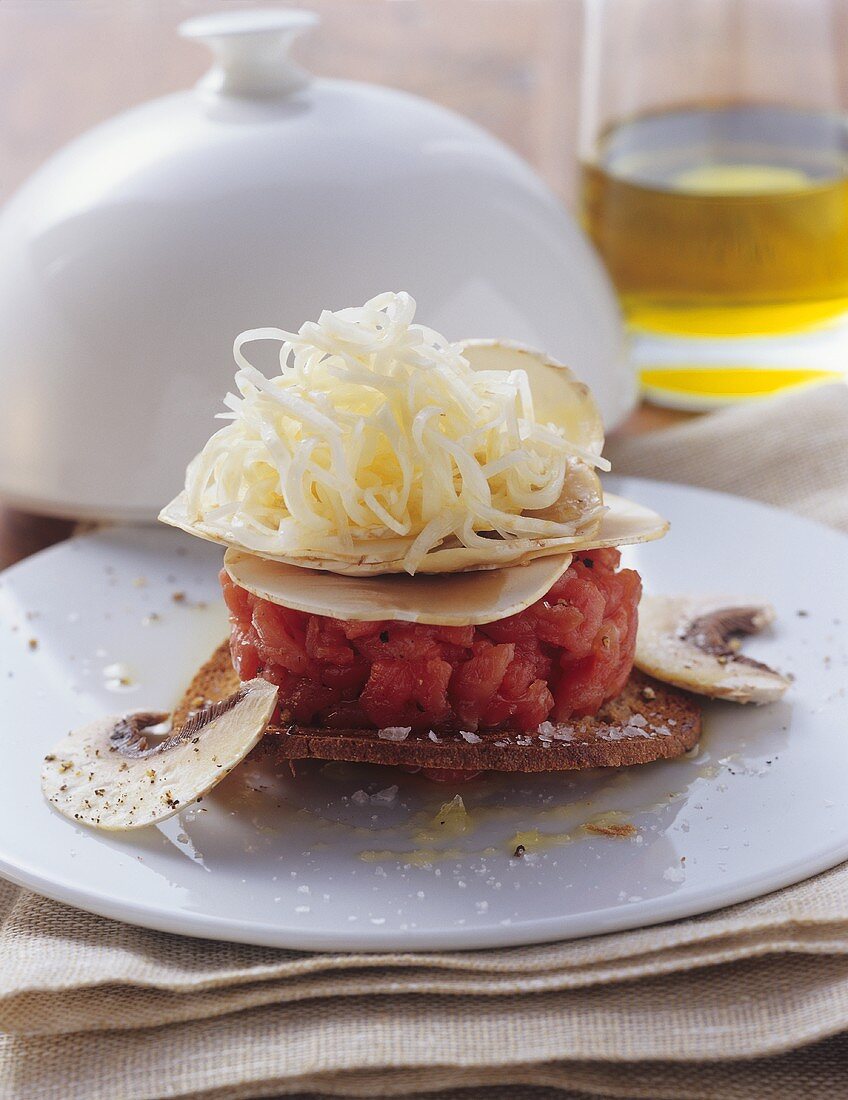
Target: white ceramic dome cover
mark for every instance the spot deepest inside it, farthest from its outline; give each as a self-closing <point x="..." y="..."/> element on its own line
<point x="133" y="258"/>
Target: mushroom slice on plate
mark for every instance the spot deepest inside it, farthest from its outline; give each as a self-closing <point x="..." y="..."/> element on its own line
<point x="109" y="775"/>
<point x="693" y="643"/>
<point x="448" y="599"/>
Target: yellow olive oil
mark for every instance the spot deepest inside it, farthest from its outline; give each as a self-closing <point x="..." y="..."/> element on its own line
<point x="724" y="221"/>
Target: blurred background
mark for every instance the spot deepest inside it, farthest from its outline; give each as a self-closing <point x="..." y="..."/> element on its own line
<point x="510" y="65"/>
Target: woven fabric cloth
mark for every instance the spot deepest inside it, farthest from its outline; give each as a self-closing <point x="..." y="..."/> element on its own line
<point x="748" y="1001"/>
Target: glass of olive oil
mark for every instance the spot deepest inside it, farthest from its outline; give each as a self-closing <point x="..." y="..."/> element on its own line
<point x="714" y="183"/>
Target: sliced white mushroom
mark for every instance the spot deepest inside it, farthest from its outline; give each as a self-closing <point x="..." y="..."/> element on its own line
<point x="110" y="774"/>
<point x="558" y="396"/>
<point x="693" y="643"/>
<point x="450" y="599"/>
<point x="624" y="522"/>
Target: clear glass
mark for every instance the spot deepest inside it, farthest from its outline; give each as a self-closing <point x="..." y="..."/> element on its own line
<point x="713" y="150"/>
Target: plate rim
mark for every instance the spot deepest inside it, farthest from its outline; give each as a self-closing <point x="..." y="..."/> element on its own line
<point x="532" y="932"/>
<point x="365" y="940"/>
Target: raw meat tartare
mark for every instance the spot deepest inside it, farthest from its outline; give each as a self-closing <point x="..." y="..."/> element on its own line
<point x="562" y="657"/>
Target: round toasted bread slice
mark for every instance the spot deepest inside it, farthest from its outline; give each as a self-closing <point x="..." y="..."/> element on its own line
<point x="647" y="721"/>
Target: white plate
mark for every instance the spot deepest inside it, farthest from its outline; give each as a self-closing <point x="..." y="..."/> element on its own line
<point x="761" y="806"/>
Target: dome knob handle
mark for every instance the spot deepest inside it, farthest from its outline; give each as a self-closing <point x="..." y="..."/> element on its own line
<point x="251" y="50"/>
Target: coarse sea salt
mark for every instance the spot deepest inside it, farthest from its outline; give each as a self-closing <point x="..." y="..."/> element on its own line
<point x="395" y="733"/>
<point x="118" y="672"/>
<point x="547" y="731"/>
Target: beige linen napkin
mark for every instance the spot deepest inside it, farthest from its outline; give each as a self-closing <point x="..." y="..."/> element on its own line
<point x="748" y="1002"/>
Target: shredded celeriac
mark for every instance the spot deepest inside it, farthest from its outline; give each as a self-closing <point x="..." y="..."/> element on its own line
<point x="379" y="429"/>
